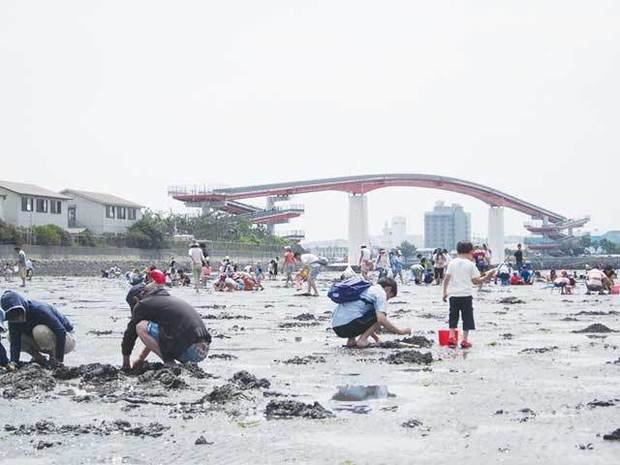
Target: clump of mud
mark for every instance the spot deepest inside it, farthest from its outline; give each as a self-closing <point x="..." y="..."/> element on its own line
<point x="419" y="341"/>
<point x="507" y="336"/>
<point x="245" y="380"/>
<point x="224" y="394"/>
<point x="166" y="377"/>
<point x="538" y="350"/>
<point x="511" y="301"/>
<point x="305" y="360"/>
<point x="409" y="357"/>
<point x="102" y="429"/>
<point x="98" y="332"/>
<point x="291" y="408"/>
<point x="413" y="423"/>
<point x="288" y="324"/>
<point x="202" y="441"/>
<point x="596" y="328"/>
<point x="602" y="403"/>
<point x="597" y="313"/>
<point x="613" y="436"/>
<point x="26" y="382"/>
<point x="225" y="316"/>
<point x="305" y="317"/>
<point x="223" y="356"/>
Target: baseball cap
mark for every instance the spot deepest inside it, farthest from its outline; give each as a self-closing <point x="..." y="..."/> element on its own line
<point x="135" y="291"/>
<point x="158" y="277"/>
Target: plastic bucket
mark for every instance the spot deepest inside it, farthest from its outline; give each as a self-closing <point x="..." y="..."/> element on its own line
<point x="616" y="289"/>
<point x="444" y="335"/>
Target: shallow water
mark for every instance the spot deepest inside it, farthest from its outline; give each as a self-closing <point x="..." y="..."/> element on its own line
<point x="493" y="403"/>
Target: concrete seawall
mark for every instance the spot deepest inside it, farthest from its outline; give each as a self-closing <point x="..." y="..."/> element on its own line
<point x="89" y="261"/>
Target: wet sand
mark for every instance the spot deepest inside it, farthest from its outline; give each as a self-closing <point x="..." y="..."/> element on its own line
<point x="534" y="389"/>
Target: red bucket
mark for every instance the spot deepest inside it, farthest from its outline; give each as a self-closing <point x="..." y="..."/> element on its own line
<point x="615" y="289"/>
<point x="444" y="335"/>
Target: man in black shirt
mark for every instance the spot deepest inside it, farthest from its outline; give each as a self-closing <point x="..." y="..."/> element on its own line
<point x="166" y="325"/>
<point x="519" y="257"/>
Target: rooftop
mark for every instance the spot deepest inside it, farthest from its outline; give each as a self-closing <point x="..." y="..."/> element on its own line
<point x="104" y="199"/>
<point x="23" y="188"/>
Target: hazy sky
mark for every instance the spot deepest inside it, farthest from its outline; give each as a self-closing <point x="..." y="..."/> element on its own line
<point x="129" y="97"/>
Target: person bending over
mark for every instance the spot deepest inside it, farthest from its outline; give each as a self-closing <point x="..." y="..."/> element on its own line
<point x="36" y="328"/>
<point x="365" y="316"/>
<point x="166" y="325"/>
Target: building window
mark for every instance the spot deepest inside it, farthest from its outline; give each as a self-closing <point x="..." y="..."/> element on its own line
<point x="109" y="211"/>
<point x="56" y="207"/>
<point x="42" y="205"/>
<point x="121" y="213"/>
<point x="131" y="213"/>
<point x="27" y="204"/>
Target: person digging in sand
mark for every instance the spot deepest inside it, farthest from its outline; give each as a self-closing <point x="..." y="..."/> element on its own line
<point x="166" y="325"/>
<point x="36" y="328"/>
<point x="462" y="273"/>
<point x="360" y="319"/>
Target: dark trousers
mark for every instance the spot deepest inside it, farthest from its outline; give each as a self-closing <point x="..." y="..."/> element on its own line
<point x="463" y="306"/>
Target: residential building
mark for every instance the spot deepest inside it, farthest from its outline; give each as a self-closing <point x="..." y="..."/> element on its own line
<point x="445" y="226"/>
<point x="26" y="205"/>
<point x="101" y="213"/>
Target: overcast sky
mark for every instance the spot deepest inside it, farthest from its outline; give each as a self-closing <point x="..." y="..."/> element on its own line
<point x="128" y="97"/>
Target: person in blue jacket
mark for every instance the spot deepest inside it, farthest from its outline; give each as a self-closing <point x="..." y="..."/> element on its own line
<point x="36" y="328"/>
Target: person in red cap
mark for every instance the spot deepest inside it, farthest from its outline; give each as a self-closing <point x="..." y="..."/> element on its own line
<point x="158" y="277"/>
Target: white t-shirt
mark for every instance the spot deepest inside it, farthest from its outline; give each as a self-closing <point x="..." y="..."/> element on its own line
<point x="309" y="259"/>
<point x="196" y="255"/>
<point x="365" y="254"/>
<point x="461" y="272"/>
<point x="596" y="277"/>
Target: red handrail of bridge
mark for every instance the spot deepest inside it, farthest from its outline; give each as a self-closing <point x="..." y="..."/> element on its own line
<point x="365" y="183"/>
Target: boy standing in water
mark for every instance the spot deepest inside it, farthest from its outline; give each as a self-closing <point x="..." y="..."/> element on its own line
<point x="461" y="275"/>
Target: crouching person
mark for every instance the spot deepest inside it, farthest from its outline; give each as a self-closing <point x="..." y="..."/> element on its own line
<point x="363" y="315"/>
<point x="36" y="328"/>
<point x="166" y="325"/>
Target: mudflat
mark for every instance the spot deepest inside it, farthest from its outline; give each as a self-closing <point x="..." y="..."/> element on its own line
<point x="540" y="384"/>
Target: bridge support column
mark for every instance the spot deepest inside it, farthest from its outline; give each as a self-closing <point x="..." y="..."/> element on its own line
<point x="358" y="226"/>
<point x="496" y="234"/>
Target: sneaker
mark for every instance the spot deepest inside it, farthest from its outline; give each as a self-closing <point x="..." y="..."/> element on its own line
<point x="452" y="342"/>
<point x="465" y="345"/>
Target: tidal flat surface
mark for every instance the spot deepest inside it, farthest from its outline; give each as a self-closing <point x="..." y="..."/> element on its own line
<point x="533" y="389"/>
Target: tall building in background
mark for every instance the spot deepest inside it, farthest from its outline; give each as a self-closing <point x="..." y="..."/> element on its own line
<point x="445" y="226"/>
<point x="394" y="234"/>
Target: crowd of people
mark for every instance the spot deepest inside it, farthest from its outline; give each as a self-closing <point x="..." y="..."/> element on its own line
<point x="173" y="330"/>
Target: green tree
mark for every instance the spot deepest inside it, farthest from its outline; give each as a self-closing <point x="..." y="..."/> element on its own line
<point x="86" y="239"/>
<point x="9" y="234"/>
<point x="408" y="249"/>
<point x="50" y="234"/>
<point x="149" y="232"/>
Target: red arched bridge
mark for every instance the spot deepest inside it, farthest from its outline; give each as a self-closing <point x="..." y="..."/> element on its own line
<point x="227" y="199"/>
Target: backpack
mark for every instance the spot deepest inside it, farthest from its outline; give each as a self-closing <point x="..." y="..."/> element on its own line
<point x="348" y="290"/>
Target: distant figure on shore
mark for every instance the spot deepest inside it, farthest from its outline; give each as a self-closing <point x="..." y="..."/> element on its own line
<point x="197" y="259"/>
<point x="22" y="266"/>
<point x="289" y="266"/>
<point x="597" y="281"/>
<point x="519" y="257"/>
<point x="36" y="328"/>
<point x="166" y="325"/>
<point x="365" y="262"/>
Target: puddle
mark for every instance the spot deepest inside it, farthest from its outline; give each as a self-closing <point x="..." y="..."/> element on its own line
<point x="359" y="393"/>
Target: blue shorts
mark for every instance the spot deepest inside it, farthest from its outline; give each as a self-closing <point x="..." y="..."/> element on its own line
<point x="195" y="353"/>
